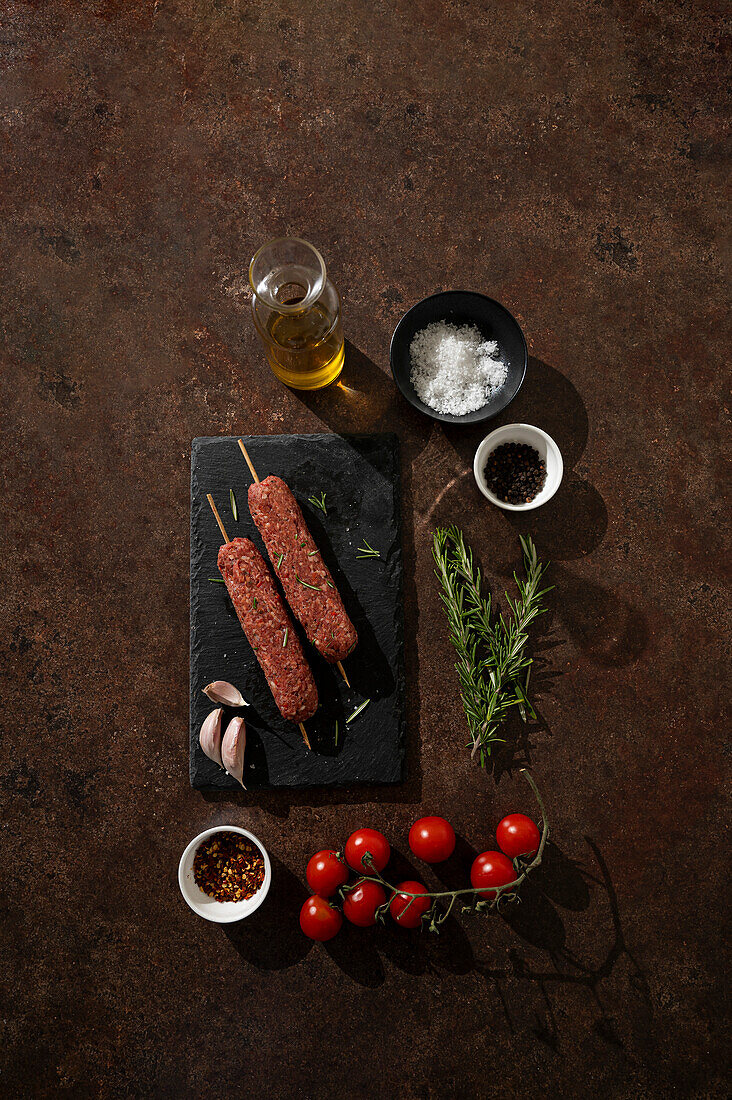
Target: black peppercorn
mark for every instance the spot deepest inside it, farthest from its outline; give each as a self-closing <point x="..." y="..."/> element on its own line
<point x="515" y="473"/>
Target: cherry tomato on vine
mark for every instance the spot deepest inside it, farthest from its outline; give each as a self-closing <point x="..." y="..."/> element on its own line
<point x="360" y="903"/>
<point x="409" y="917"/>
<point x="432" y="839"/>
<point x="367" y="840"/>
<point x="319" y="920"/>
<point x="518" y="835"/>
<point x="491" y="869"/>
<point x="325" y="873"/>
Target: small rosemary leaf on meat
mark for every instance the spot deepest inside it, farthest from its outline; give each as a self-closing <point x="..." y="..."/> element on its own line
<point x="254" y="603"/>
<point x="234" y="509"/>
<point x="357" y="711"/>
<point x="279" y="560"/>
<point x="312" y="552"/>
<point x="330" y="584"/>
<point x="284" y="640"/>
<point x="306" y="585"/>
<point x="319" y="502"/>
<point x="216" y="580"/>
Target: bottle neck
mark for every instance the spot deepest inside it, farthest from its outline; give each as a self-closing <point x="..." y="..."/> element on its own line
<point x="287" y="276"/>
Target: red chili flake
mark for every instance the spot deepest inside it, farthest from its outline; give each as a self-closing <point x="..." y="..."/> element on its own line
<point x="228" y="867"/>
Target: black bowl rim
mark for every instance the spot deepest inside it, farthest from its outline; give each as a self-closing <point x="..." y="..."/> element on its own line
<point x="450" y="418"/>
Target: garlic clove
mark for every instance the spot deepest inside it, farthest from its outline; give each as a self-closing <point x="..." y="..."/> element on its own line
<point x="221" y="692"/>
<point x="210" y="736"/>
<point x="232" y="748"/>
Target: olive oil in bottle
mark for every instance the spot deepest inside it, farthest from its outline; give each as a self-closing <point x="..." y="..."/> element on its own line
<point x="297" y="314"/>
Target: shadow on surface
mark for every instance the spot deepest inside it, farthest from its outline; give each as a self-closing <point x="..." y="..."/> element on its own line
<point x="574" y="522"/>
<point x="612" y="631"/>
<point x="563" y="879"/>
<point x="357" y="951"/>
<point x="365" y="399"/>
<point x="368" y="670"/>
<point x="608" y="628"/>
<point x="271" y="939"/>
<point x="558" y="884"/>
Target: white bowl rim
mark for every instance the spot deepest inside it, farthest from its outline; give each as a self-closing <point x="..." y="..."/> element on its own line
<point x="500" y="434"/>
<point x="218" y="911"/>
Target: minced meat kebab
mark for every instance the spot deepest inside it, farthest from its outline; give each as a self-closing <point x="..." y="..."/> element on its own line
<point x="305" y="578"/>
<point x="269" y="629"/>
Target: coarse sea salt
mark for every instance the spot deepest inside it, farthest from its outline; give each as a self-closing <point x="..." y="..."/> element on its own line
<point x="453" y="368"/>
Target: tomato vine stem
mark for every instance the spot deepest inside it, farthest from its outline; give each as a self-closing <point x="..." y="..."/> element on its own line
<point x="508" y="892"/>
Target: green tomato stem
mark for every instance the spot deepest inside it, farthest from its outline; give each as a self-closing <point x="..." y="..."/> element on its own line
<point x="498" y="892"/>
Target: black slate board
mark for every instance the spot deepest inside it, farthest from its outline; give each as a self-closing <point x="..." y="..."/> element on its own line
<point x="360" y="477"/>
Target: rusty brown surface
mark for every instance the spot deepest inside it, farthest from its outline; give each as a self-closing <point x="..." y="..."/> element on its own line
<point x="567" y="159"/>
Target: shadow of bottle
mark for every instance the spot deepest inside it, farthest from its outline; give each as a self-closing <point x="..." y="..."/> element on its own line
<point x="366" y="400"/>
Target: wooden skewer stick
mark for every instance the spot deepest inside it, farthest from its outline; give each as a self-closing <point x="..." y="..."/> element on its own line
<point x="342" y="671"/>
<point x="215" y="511"/>
<point x="248" y="461"/>
<point x="253" y="472"/>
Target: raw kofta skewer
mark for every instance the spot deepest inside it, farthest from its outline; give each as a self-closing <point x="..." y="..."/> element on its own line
<point x="268" y="628"/>
<point x="306" y="579"/>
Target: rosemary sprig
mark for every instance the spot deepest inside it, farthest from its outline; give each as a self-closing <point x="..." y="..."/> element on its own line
<point x="367" y="551"/>
<point x="232" y="502"/>
<point x="319" y="502"/>
<point x="306" y="585"/>
<point x="493" y="665"/>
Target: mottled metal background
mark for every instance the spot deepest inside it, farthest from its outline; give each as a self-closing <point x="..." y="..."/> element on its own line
<point x="569" y="160"/>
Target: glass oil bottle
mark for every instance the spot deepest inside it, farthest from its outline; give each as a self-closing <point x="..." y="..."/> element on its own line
<point x="297" y="313"/>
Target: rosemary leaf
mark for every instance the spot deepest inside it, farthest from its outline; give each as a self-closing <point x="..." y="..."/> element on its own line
<point x="367" y="551"/>
<point x="319" y="502"/>
<point x="217" y="580"/>
<point x="284" y="640"/>
<point x="357" y="711"/>
<point x="232" y="501"/>
<point x="306" y="585"/>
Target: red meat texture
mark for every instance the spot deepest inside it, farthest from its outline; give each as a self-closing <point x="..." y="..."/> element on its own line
<point x="303" y="574"/>
<point x="269" y="629"/>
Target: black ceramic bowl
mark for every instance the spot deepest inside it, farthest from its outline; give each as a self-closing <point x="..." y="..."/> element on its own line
<point x="462" y="307"/>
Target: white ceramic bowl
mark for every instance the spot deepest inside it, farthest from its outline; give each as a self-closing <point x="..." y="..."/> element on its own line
<point x="222" y="912"/>
<point x="550" y="454"/>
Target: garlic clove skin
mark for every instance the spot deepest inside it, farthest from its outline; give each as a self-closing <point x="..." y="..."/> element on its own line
<point x="222" y="692"/>
<point x="232" y="748"/>
<point x="210" y="736"/>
